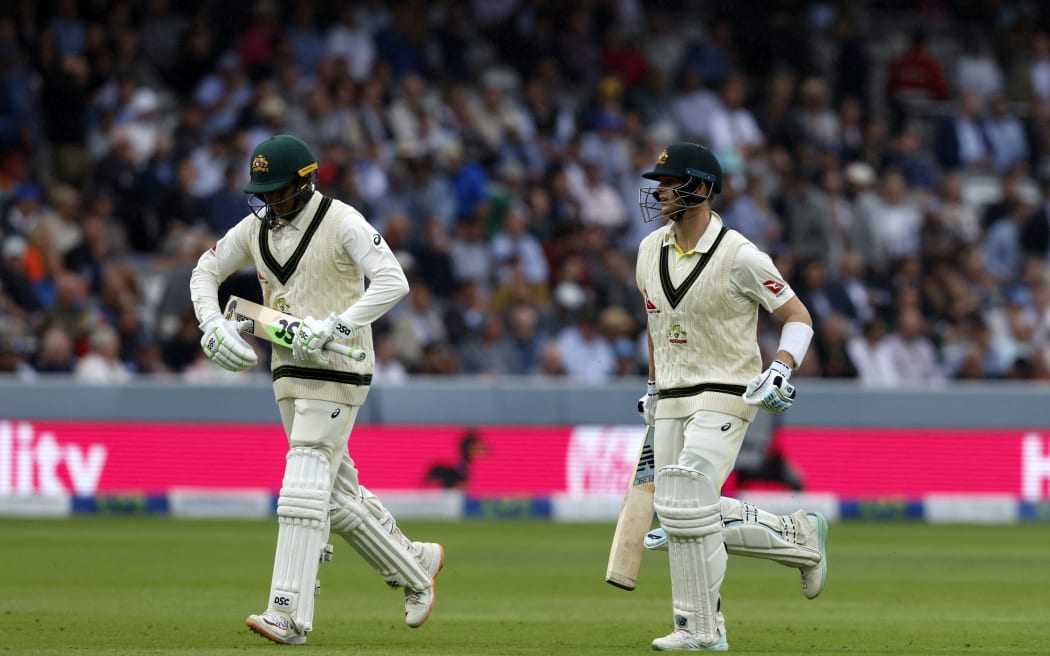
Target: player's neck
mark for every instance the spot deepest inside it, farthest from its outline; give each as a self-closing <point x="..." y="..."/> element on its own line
<point x="691" y="226"/>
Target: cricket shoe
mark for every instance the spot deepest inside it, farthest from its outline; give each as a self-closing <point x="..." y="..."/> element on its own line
<point x="680" y="640"/>
<point x="277" y="627"/>
<point x="418" y="603"/>
<point x="813" y="578"/>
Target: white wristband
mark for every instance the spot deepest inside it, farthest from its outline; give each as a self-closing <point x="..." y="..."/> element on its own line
<point x="794" y="339"/>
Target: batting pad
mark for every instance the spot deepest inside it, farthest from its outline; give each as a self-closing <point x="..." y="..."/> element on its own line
<point x="371" y="530"/>
<point x="756" y="533"/>
<point x="302" y="530"/>
<point x="686" y="503"/>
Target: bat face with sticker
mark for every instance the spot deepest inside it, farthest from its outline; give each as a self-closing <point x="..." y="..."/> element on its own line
<point x="280" y="328"/>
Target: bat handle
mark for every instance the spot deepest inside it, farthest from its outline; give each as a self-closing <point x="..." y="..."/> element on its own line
<point x="356" y="354"/>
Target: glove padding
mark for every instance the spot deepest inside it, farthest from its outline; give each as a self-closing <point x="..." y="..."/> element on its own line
<point x="771" y="388"/>
<point x="313" y="334"/>
<point x="223" y="344"/>
<point x="647" y="404"/>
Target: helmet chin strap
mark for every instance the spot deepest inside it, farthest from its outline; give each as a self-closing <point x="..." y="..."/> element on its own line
<point x="272" y="220"/>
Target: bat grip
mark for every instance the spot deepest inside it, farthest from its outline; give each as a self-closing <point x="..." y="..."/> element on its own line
<point x="343" y="349"/>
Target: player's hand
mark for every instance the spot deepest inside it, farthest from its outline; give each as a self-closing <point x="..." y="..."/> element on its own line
<point x="647" y="404"/>
<point x="224" y="345"/>
<point x="313" y="334"/>
<point x="771" y="388"/>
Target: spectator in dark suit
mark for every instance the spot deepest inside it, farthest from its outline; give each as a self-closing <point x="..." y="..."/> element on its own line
<point x="1035" y="232"/>
<point x="959" y="141"/>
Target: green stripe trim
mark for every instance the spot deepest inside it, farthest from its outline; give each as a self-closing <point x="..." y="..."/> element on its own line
<point x="676" y="294"/>
<point x="682" y="392"/>
<point x="327" y="375"/>
<point x="285" y="271"/>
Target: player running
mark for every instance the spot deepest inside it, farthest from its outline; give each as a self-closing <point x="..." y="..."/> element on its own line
<point x="312" y="254"/>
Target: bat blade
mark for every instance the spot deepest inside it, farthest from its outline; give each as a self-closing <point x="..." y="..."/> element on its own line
<point x="275" y="326"/>
<point x="635" y="519"/>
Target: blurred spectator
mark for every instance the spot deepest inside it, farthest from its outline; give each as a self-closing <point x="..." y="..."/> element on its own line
<point x="976" y="68"/>
<point x="527" y="339"/>
<point x="388" y="369"/>
<point x="1035" y="232"/>
<point x="907" y="155"/>
<point x="15" y="284"/>
<point x="1001" y="248"/>
<point x="600" y="204"/>
<point x="586" y="355"/>
<point x="417" y="326"/>
<point x="832" y="348"/>
<point x="853" y="64"/>
<point x="735" y="134"/>
<point x="56" y="354"/>
<point x="512" y="244"/>
<point x="1006" y="135"/>
<point x="960" y="141"/>
<point x="101" y="365"/>
<point x="223" y="93"/>
<point x="914" y="75"/>
<point x="908" y="354"/>
<point x="490" y="352"/>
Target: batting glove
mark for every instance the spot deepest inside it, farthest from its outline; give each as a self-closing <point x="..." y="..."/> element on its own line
<point x="647" y="404"/>
<point x="771" y="388"/>
<point x="313" y="334"/>
<point x="223" y="344"/>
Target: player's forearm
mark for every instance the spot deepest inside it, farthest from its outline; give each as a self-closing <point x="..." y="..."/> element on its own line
<point x="652" y="362"/>
<point x="796" y="333"/>
<point x="204" y="287"/>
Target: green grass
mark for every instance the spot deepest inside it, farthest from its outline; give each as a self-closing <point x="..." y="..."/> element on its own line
<point x="122" y="585"/>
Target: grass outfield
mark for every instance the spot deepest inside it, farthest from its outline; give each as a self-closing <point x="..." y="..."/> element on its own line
<point x="150" y="585"/>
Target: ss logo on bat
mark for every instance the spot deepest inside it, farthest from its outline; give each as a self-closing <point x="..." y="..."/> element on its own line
<point x="287" y="332"/>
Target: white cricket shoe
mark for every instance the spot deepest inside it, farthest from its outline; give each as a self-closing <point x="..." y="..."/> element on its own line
<point x="680" y="640"/>
<point x="418" y="603"/>
<point x="277" y="627"/>
<point x="813" y="578"/>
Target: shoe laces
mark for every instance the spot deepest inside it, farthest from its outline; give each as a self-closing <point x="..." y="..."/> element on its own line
<point x="415" y="597"/>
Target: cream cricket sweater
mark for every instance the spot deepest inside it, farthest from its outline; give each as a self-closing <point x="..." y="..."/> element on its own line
<point x="704" y="340"/>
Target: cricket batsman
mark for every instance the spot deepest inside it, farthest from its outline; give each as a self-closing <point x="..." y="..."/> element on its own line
<point x="312" y="254"/>
<point x="702" y="284"/>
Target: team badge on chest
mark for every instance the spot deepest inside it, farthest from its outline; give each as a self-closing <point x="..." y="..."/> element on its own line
<point x="676" y="334"/>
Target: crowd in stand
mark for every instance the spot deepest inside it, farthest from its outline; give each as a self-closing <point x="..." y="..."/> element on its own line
<point x="899" y="174"/>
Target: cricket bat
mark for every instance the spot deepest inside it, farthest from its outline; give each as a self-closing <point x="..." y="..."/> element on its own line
<point x="636" y="517"/>
<point x="277" y="327"/>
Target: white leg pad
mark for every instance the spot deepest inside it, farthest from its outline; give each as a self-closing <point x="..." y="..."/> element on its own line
<point x="372" y="531"/>
<point x="302" y="529"/>
<point x="686" y="502"/>
<point x="786" y="539"/>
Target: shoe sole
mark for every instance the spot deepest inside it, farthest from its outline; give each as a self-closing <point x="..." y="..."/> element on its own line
<point x="257" y="630"/>
<point x="433" y="587"/>
<point x="822" y="534"/>
<point x="721" y="645"/>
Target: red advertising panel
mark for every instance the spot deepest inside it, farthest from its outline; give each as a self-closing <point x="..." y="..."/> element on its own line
<point x="89" y="458"/>
<point x="859" y="463"/>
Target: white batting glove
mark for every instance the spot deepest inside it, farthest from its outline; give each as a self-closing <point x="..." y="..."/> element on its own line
<point x="313" y="334"/>
<point x="224" y="345"/>
<point x="771" y="388"/>
<point x="647" y="404"/>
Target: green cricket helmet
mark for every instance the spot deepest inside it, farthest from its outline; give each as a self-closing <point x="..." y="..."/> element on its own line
<point x="691" y="163"/>
<point x="277" y="163"/>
